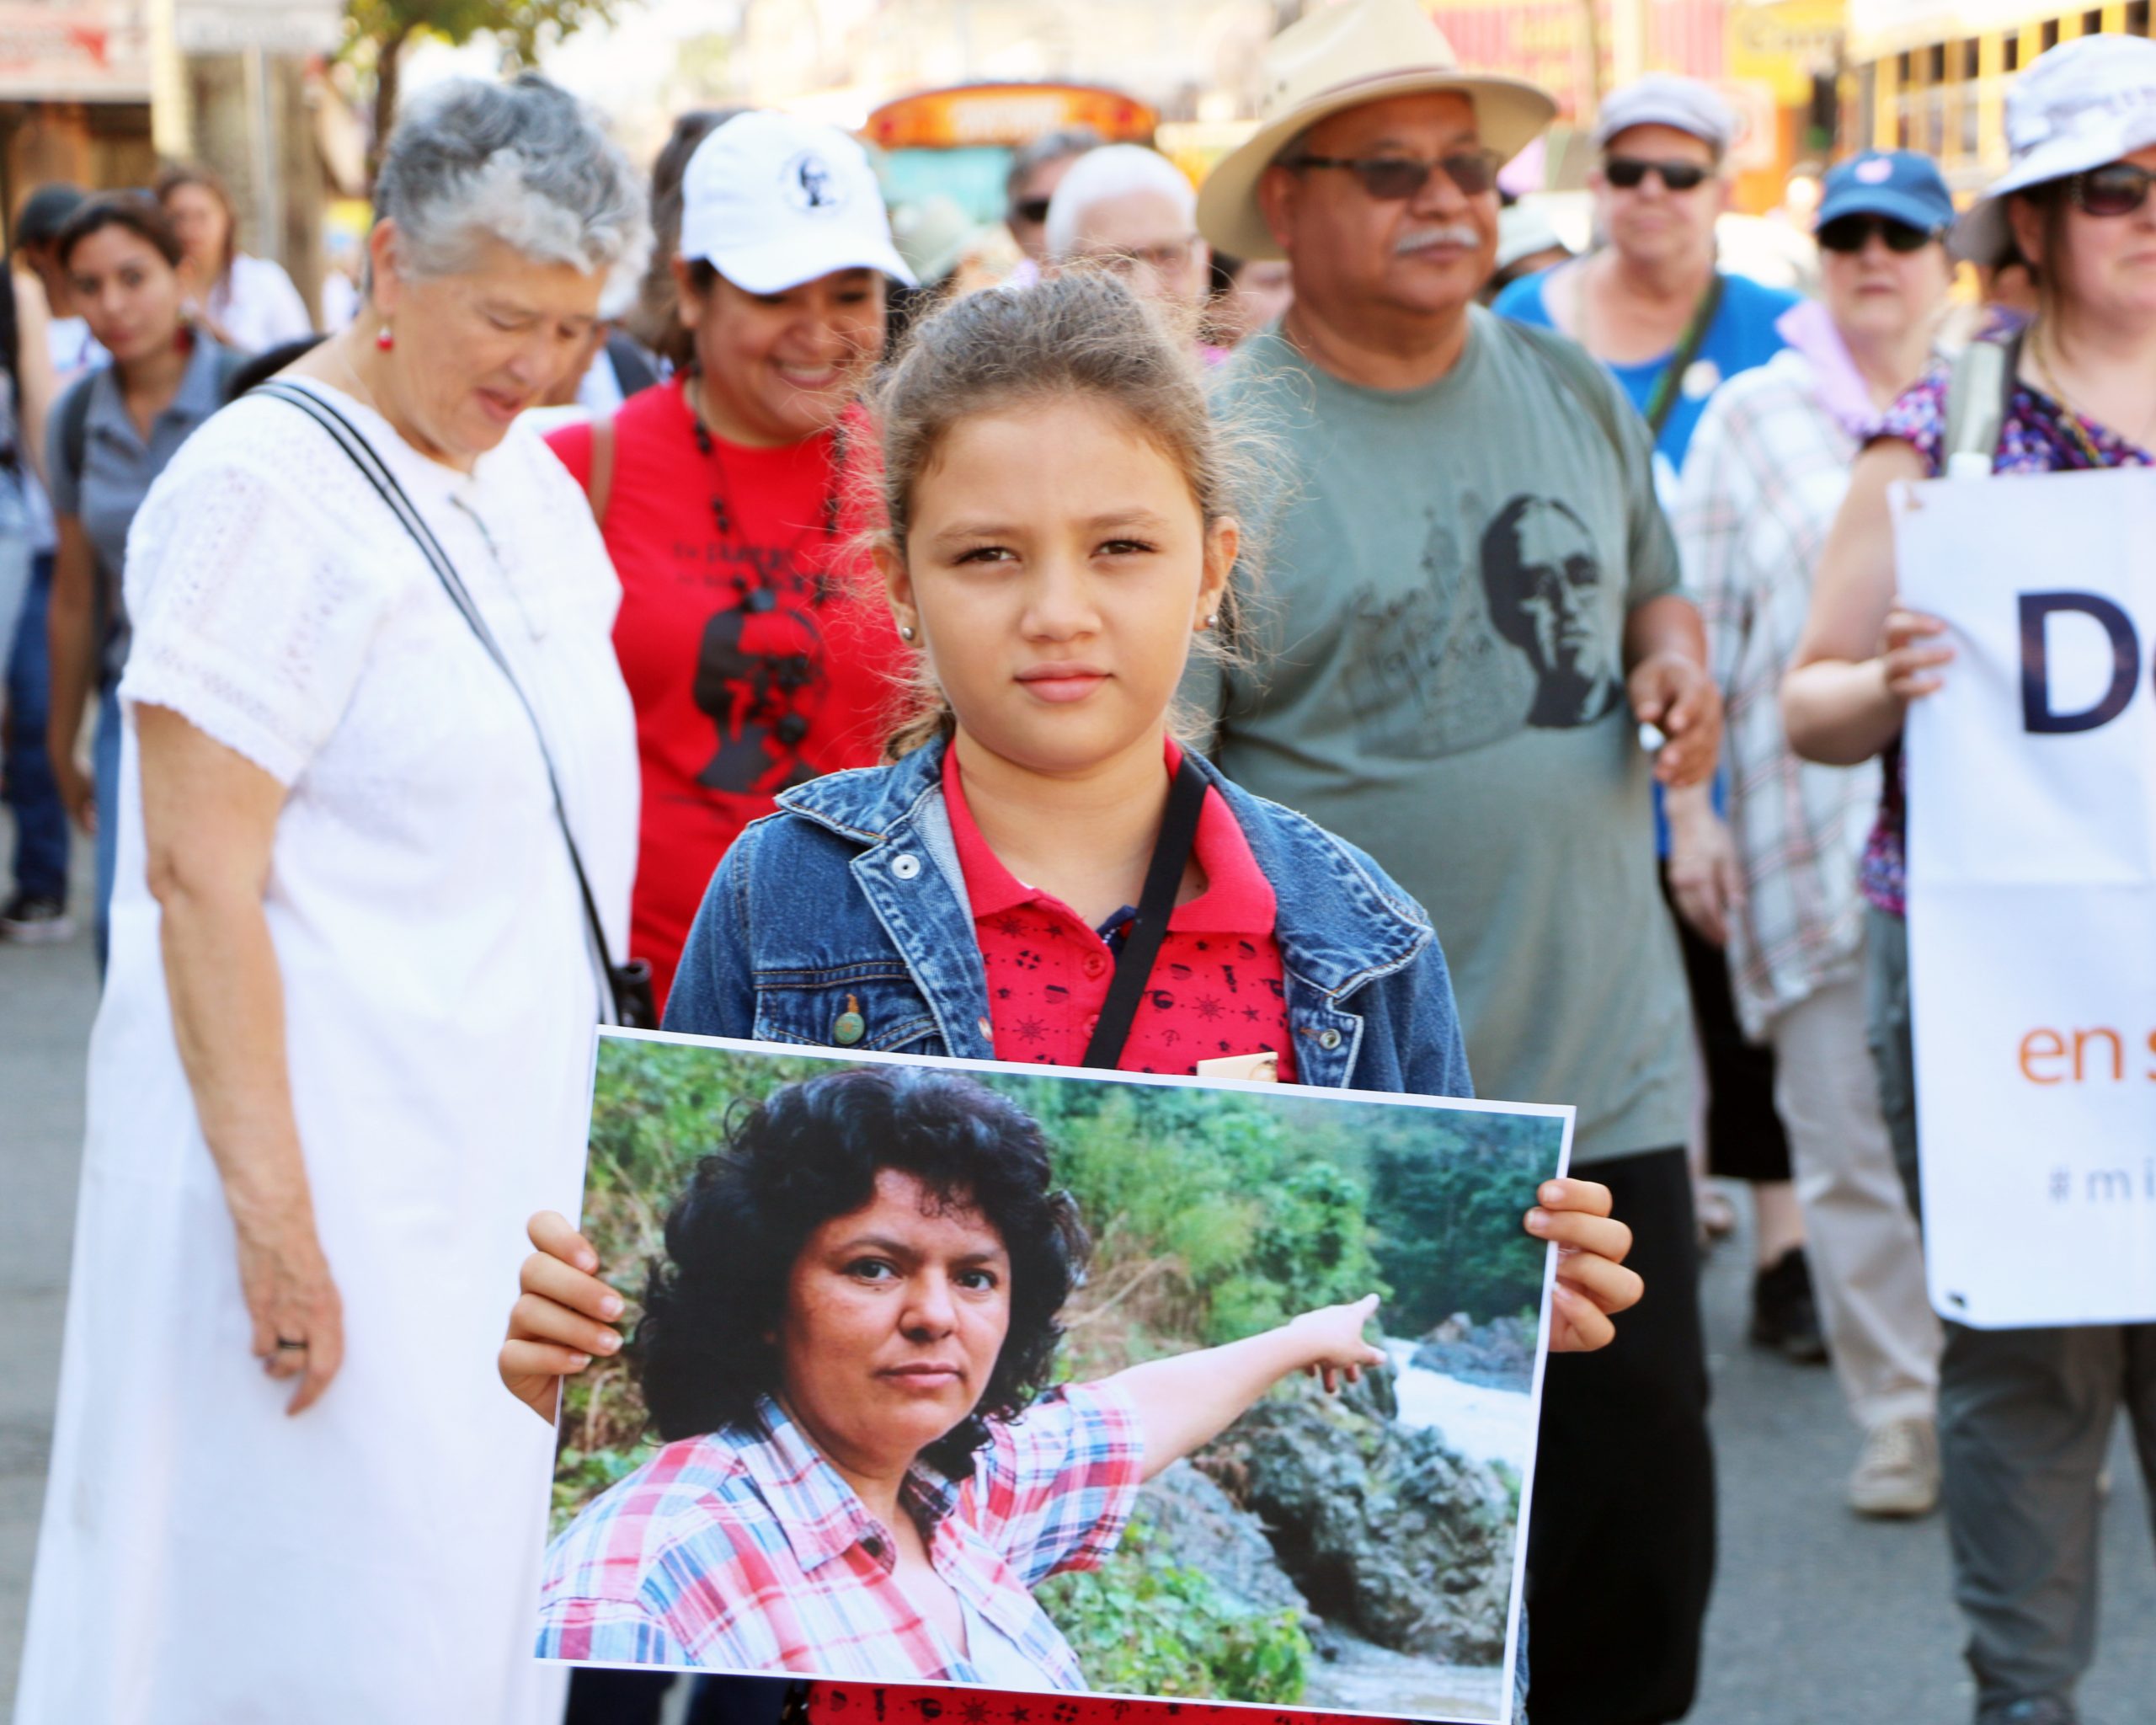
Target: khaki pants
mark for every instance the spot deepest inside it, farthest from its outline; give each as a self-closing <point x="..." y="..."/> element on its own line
<point x="1867" y="1261"/>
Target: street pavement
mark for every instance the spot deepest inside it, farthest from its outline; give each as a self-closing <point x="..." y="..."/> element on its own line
<point x="1819" y="1619"/>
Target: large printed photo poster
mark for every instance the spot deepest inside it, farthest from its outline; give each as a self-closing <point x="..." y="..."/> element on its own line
<point x="1056" y="1321"/>
<point x="2032" y="896"/>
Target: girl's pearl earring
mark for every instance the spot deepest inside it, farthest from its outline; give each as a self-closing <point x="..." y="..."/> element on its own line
<point x="905" y="631"/>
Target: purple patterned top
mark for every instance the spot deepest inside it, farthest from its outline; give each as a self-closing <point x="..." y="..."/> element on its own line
<point x="2034" y="438"/>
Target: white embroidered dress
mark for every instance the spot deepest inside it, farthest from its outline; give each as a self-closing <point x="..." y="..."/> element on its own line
<point x="204" y="1559"/>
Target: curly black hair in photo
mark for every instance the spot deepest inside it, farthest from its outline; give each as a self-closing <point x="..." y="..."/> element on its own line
<point x="809" y="1152"/>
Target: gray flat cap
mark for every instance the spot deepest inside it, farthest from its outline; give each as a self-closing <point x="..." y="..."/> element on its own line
<point x="1664" y="99"/>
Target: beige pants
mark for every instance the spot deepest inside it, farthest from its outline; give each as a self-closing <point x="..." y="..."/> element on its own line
<point x="1867" y="1261"/>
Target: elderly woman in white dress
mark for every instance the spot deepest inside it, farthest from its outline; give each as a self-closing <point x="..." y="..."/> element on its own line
<point x="346" y="1036"/>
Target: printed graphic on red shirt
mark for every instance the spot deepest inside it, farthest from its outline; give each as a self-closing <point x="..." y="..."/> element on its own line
<point x="758" y="656"/>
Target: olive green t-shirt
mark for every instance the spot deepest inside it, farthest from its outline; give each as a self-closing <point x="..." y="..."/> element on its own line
<point x="1438" y="642"/>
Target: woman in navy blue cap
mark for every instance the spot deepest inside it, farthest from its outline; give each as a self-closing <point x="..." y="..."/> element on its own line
<point x="1769" y="464"/>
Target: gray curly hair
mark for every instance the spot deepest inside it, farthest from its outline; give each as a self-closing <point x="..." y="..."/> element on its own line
<point x="524" y="162"/>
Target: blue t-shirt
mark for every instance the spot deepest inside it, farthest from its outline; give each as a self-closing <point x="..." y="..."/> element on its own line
<point x="1743" y="335"/>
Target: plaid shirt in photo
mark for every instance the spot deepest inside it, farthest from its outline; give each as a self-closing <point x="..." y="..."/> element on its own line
<point x="744" y="1550"/>
<point x="1764" y="478"/>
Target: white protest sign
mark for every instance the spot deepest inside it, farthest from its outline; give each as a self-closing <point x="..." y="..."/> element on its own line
<point x="2032" y="896"/>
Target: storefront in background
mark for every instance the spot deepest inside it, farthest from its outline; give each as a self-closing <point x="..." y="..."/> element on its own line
<point x="74" y="96"/>
<point x="1933" y="78"/>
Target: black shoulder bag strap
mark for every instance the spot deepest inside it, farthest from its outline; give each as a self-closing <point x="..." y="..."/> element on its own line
<point x="628" y="993"/>
<point x="1667" y="387"/>
<point x="1141" y="941"/>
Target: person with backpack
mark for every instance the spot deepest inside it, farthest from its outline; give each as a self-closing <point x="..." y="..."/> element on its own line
<point x="1474" y="612"/>
<point x="113" y="433"/>
<point x="754" y="663"/>
<point x="2026" y="1415"/>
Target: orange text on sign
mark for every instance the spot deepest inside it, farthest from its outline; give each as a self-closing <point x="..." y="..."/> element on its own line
<point x="2093" y="1056"/>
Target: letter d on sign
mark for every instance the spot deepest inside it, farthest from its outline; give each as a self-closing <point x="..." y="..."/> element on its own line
<point x="2036" y="714"/>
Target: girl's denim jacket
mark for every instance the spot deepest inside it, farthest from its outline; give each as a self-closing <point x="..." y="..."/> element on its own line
<point x="848" y="903"/>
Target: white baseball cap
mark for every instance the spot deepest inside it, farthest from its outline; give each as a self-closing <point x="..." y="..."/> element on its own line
<point x="771" y="200"/>
<point x="2081" y="105"/>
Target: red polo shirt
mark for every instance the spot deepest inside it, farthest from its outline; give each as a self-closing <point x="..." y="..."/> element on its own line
<point x="1217" y="987"/>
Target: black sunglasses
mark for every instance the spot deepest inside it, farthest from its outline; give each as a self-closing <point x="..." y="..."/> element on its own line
<point x="1032" y="210"/>
<point x="1628" y="172"/>
<point x="1393" y="179"/>
<point x="2116" y="188"/>
<point x="1853" y="233"/>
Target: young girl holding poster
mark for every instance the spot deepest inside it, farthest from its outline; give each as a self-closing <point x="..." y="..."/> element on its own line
<point x="2024" y="1415"/>
<point x="1060" y="529"/>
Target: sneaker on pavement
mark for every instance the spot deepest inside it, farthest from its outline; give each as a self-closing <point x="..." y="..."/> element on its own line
<point x="32" y="921"/>
<point x="2036" y="1710"/>
<point x="1784" y="1315"/>
<point x="1897" y="1474"/>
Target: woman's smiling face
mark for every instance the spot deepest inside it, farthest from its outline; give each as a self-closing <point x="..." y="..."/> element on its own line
<point x="895" y="1315"/>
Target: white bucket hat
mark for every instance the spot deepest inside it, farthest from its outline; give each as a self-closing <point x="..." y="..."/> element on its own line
<point x="2084" y="103"/>
<point x="771" y="200"/>
<point x="1343" y="57"/>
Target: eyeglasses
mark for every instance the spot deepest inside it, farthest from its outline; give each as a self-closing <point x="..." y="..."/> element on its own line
<point x="1630" y="173"/>
<point x="1853" y="233"/>
<point x="1030" y="210"/>
<point x="1163" y="259"/>
<point x="2116" y="188"/>
<point x="1394" y="179"/>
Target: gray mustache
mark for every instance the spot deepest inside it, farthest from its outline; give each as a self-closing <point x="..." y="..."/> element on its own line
<point x="1453" y="235"/>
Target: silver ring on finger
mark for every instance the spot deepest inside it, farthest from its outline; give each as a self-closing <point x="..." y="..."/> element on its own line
<point x="286" y="1345"/>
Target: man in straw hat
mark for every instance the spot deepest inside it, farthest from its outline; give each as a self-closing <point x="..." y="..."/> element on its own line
<point x="1475" y="664"/>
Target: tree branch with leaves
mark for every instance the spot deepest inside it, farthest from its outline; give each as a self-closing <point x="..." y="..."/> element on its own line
<point x="378" y="31"/>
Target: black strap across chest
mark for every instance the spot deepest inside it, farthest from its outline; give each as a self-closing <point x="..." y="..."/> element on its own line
<point x="1141" y="942"/>
<point x="627" y="993"/>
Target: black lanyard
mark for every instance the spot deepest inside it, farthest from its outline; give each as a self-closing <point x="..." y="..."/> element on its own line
<point x="1141" y="942"/>
<point x="1663" y="402"/>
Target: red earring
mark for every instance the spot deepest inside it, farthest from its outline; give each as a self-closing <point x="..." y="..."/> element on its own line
<point x="384" y="339"/>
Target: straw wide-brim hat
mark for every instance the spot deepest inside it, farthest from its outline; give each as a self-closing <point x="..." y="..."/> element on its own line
<point x="1341" y="58"/>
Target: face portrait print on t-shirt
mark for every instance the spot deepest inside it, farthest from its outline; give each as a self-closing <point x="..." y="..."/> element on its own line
<point x="760" y="681"/>
<point x="1424" y="675"/>
<point x="1545" y="588"/>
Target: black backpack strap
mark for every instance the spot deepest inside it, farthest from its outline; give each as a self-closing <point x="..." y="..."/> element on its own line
<point x="74" y="417"/>
<point x="620" y="993"/>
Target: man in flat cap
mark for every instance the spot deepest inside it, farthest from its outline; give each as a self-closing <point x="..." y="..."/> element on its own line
<point x="1471" y="610"/>
<point x="1653" y="306"/>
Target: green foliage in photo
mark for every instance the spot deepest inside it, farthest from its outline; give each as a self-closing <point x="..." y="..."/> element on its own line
<point x="1143" y="1626"/>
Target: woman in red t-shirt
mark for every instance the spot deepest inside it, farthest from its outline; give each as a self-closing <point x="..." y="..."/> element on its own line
<point x="754" y="661"/>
